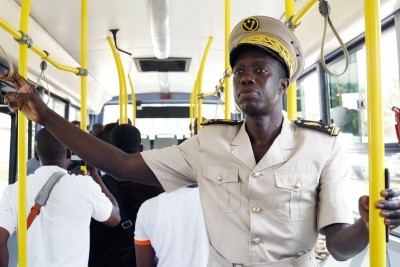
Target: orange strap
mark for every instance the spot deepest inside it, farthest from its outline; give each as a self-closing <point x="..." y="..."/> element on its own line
<point x="142" y="242"/>
<point x="32" y="215"/>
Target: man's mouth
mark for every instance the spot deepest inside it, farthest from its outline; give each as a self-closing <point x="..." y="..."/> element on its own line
<point x="248" y="93"/>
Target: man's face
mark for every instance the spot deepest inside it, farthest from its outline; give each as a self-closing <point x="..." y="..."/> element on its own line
<point x="258" y="82"/>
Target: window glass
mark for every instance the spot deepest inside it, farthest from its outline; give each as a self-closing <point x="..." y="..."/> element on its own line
<point x="5" y="136"/>
<point x="348" y="95"/>
<point x="348" y="92"/>
<point x="308" y="98"/>
<point x="59" y="107"/>
<point x="153" y="126"/>
<point x="74" y="114"/>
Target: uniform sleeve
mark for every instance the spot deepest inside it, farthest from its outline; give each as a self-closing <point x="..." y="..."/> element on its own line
<point x="334" y="196"/>
<point x="174" y="166"/>
<point x="102" y="206"/>
<point x="8" y="219"/>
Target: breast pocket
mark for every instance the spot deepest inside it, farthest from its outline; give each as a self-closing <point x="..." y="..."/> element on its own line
<point x="295" y="195"/>
<point x="223" y="187"/>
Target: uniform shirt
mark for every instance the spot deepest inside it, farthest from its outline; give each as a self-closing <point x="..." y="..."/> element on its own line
<point x="267" y="211"/>
<point x="59" y="236"/>
<point x="173" y="223"/>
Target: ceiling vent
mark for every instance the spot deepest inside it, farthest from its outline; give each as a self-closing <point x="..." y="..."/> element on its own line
<point x="162" y="65"/>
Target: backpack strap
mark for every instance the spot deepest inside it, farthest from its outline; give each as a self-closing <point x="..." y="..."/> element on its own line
<point x="43" y="196"/>
<point x="126" y="223"/>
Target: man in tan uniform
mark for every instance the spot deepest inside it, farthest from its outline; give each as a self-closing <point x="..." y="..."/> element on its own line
<point x="268" y="186"/>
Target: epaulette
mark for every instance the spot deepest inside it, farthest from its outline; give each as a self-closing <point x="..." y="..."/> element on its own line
<point x="221" y="121"/>
<point x="319" y="126"/>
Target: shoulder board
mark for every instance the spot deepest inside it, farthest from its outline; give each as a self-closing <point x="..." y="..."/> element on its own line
<point x="221" y="121"/>
<point x="319" y="126"/>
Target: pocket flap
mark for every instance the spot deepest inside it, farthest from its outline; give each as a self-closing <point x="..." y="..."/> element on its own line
<point x="296" y="181"/>
<point x="221" y="174"/>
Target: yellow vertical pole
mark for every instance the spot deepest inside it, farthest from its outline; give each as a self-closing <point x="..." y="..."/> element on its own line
<point x="133" y="98"/>
<point x="199" y="82"/>
<point x="22" y="198"/>
<point x="84" y="67"/>
<point x="84" y="64"/>
<point x="291" y="91"/>
<point x="376" y="149"/>
<point x="227" y="65"/>
<point x="193" y="105"/>
<point x="121" y="81"/>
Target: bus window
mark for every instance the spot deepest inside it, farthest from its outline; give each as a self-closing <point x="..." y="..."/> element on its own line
<point x="5" y="130"/>
<point x="348" y="94"/>
<point x="308" y="104"/>
<point x="153" y="126"/>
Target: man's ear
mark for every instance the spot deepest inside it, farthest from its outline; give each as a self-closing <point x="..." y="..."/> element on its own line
<point x="284" y="84"/>
<point x="68" y="154"/>
<point x="141" y="148"/>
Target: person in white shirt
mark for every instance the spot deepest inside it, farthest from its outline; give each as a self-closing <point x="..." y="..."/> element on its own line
<point x="59" y="235"/>
<point x="170" y="230"/>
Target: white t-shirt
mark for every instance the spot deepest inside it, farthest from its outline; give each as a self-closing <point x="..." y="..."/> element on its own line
<point x="174" y="224"/>
<point x="59" y="236"/>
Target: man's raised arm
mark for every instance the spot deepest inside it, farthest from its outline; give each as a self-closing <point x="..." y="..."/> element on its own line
<point x="92" y="150"/>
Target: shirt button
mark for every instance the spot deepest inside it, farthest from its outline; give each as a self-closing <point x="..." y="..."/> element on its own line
<point x="256" y="209"/>
<point x="297" y="185"/>
<point x="255" y="241"/>
<point x="256" y="175"/>
<point x="219" y="178"/>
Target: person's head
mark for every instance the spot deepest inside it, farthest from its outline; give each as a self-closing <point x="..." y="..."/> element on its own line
<point x="76" y="123"/>
<point x="264" y="56"/>
<point x="97" y="128"/>
<point x="195" y="125"/>
<point x="51" y="151"/>
<point x="129" y="121"/>
<point x="127" y="138"/>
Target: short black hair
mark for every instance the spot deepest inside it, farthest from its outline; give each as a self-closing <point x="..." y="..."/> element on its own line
<point x="48" y="148"/>
<point x="127" y="138"/>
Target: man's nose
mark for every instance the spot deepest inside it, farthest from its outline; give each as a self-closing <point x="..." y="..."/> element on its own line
<point x="247" y="78"/>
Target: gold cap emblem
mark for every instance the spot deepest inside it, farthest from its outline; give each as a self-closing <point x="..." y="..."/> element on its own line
<point x="250" y="24"/>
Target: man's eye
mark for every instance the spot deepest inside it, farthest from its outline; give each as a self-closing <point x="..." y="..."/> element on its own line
<point x="238" y="72"/>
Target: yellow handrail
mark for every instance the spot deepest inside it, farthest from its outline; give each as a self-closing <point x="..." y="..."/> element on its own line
<point x="227" y="65"/>
<point x="302" y="12"/>
<point x="121" y="81"/>
<point x="22" y="197"/>
<point x="18" y="35"/>
<point x="133" y="99"/>
<point x="376" y="149"/>
<point x="291" y="91"/>
<point x="84" y="64"/>
<point x="199" y="82"/>
<point x="193" y="106"/>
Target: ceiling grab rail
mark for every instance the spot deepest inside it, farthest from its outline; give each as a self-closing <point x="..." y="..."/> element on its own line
<point x="22" y="36"/>
<point x="122" y="84"/>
